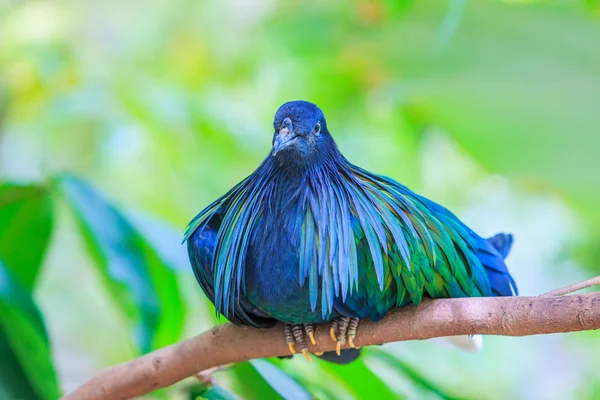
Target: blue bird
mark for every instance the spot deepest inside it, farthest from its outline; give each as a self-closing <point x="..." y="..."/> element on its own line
<point x="311" y="238"/>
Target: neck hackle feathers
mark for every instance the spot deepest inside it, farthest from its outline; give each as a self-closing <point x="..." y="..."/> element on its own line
<point x="360" y="236"/>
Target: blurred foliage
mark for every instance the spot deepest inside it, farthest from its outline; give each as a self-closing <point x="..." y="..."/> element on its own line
<point x="165" y="105"/>
<point x="515" y="114"/>
<point x="25" y="225"/>
<point x="26" y="369"/>
<point x="360" y="381"/>
<point x="209" y="391"/>
<point x="259" y="379"/>
<point x="419" y="381"/>
<point x="216" y="393"/>
<point x="139" y="280"/>
<point x="26" y="363"/>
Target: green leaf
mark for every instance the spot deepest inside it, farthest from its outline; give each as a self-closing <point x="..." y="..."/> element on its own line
<point x="281" y="382"/>
<point x="260" y="379"/>
<point x="414" y="376"/>
<point x="140" y="281"/>
<point x="164" y="238"/>
<point x="25" y="227"/>
<point x="250" y="384"/>
<point x="359" y="380"/>
<point x="26" y="369"/>
<point x="218" y="393"/>
<point x="200" y="392"/>
<point x="14" y="383"/>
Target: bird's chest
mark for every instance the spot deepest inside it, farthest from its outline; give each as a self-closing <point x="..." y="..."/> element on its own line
<point x="272" y="268"/>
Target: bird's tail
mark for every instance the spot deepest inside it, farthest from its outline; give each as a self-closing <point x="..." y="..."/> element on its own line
<point x="492" y="253"/>
<point x="470" y="343"/>
<point x="502" y="242"/>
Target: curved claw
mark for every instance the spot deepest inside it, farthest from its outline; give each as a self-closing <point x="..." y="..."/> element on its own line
<point x="306" y="355"/>
<point x="332" y="334"/>
<point x="338" y="348"/>
<point x="311" y="336"/>
<point x="291" y="347"/>
<point x="351" y="342"/>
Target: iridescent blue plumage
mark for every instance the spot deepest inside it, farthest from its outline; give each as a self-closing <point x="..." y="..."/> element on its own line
<point x="309" y="237"/>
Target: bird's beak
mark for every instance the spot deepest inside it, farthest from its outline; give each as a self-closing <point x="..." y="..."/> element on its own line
<point x="284" y="138"/>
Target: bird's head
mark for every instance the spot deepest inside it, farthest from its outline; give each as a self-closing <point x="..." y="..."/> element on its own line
<point x="300" y="132"/>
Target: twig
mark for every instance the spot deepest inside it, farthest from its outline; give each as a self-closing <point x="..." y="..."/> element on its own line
<point x="509" y="316"/>
<point x="573" y="288"/>
<point x="206" y="376"/>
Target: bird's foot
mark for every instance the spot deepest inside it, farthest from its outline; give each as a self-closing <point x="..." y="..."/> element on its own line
<point x="342" y="329"/>
<point x="295" y="336"/>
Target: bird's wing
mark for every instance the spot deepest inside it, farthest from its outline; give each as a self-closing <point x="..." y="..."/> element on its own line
<point x="218" y="239"/>
<point x="378" y="245"/>
<point x="201" y="247"/>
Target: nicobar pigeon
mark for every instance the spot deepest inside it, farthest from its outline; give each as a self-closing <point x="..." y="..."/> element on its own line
<point x="310" y="238"/>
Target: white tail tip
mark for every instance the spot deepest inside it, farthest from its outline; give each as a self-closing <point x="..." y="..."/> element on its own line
<point x="470" y="343"/>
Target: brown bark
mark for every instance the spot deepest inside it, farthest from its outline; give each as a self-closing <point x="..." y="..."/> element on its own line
<point x="224" y="344"/>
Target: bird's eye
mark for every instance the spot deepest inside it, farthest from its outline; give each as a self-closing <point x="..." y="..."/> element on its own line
<point x="317" y="129"/>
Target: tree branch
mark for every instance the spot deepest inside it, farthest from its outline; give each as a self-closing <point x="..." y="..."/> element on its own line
<point x="224" y="344"/>
<point x="574" y="287"/>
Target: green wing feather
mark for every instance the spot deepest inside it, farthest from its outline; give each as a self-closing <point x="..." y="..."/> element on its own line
<point x="399" y="246"/>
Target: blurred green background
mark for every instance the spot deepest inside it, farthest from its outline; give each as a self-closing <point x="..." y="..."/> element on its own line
<point x="119" y="121"/>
